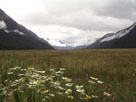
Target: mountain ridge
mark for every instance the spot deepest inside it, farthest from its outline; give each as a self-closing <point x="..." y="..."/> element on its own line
<point x="125" y="38"/>
<point x="16" y="36"/>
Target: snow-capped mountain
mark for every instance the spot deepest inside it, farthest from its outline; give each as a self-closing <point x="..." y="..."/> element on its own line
<point x="16" y="36"/>
<point x="62" y="44"/>
<point x="59" y="44"/>
<point x="125" y="38"/>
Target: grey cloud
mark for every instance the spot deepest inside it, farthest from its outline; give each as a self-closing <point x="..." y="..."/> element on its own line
<point x="92" y="18"/>
<point x="100" y="16"/>
<point x="122" y="9"/>
<point x="82" y="19"/>
<point x="104" y="15"/>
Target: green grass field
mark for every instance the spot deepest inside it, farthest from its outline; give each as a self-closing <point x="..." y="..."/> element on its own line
<point x="115" y="67"/>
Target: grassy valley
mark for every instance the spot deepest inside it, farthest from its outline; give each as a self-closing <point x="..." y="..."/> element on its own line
<point x="115" y="67"/>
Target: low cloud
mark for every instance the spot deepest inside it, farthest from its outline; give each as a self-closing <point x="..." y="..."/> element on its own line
<point x="74" y="21"/>
<point x="121" y="9"/>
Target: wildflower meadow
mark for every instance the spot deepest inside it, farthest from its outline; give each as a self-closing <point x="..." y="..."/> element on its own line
<point x="68" y="76"/>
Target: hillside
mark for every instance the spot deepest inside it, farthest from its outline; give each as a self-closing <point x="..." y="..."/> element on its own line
<point x="16" y="36"/>
<point x="125" y="38"/>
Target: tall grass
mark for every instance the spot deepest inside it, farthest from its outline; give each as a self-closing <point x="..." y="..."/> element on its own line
<point x="115" y="67"/>
<point x="31" y="85"/>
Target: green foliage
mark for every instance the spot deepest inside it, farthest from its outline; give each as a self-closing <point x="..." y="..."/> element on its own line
<point x="31" y="85"/>
<point x="115" y="67"/>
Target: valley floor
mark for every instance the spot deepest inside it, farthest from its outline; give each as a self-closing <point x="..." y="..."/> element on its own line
<point x="115" y="67"/>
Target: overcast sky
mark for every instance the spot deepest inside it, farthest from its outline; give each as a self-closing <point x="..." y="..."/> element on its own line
<point x="72" y="21"/>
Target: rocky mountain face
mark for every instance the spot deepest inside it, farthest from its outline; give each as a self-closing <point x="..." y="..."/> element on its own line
<point x="125" y="38"/>
<point x="16" y="36"/>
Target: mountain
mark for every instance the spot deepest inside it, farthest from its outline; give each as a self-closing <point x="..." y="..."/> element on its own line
<point x="70" y="47"/>
<point x="66" y="46"/>
<point x="15" y="36"/>
<point x="81" y="47"/>
<point x="63" y="47"/>
<point x="125" y="38"/>
<point x="60" y="45"/>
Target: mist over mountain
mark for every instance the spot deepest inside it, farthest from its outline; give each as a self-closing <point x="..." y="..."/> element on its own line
<point x="125" y="38"/>
<point x="16" y="36"/>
